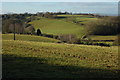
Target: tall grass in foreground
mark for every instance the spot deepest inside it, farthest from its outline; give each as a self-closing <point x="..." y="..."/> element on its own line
<point x="29" y="59"/>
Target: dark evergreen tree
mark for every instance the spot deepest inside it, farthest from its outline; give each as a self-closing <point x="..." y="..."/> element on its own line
<point x="38" y="32"/>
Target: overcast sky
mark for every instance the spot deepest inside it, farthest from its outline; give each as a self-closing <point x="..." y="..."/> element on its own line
<point x="60" y="0"/>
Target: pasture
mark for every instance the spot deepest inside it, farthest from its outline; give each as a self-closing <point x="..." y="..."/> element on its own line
<point x="29" y="38"/>
<point x="111" y="37"/>
<point x="65" y="24"/>
<point x="104" y="39"/>
<point x="38" y="59"/>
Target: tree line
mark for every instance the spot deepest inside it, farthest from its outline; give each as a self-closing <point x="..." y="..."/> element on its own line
<point x="104" y="26"/>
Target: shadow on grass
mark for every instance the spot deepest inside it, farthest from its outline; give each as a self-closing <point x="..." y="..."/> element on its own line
<point x="30" y="67"/>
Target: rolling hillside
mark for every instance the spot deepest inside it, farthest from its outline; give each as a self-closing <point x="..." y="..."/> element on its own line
<point x="62" y="26"/>
<point x="56" y="27"/>
<point x="52" y="60"/>
<point x="28" y="38"/>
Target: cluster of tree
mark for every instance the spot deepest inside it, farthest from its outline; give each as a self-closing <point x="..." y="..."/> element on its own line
<point x="11" y="25"/>
<point x="68" y="38"/>
<point x="72" y="39"/>
<point x="17" y="23"/>
<point x="22" y="17"/>
<point x="10" y="16"/>
<point x="17" y="26"/>
<point x="104" y="26"/>
<point x="52" y="13"/>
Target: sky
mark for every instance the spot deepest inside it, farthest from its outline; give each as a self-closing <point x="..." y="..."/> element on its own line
<point x="22" y="6"/>
<point x="60" y="0"/>
<point x="74" y="7"/>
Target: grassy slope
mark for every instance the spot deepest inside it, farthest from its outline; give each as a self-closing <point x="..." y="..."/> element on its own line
<point x="63" y="26"/>
<point x="56" y="27"/>
<point x="28" y="38"/>
<point x="84" y="19"/>
<point x="39" y="59"/>
<point x="94" y="37"/>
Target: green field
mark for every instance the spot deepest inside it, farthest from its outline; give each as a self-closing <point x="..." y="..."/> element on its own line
<point x="94" y="37"/>
<point x="64" y="25"/>
<point x="101" y="39"/>
<point x="56" y="27"/>
<point x="26" y="58"/>
<point x="29" y="38"/>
